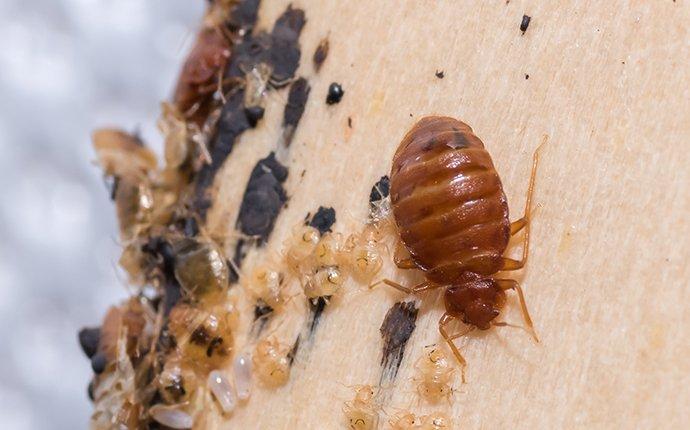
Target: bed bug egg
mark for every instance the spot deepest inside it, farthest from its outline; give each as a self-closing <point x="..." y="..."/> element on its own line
<point x="222" y="390"/>
<point x="171" y="416"/>
<point x="436" y="421"/>
<point x="362" y="411"/>
<point x="271" y="362"/>
<point x="242" y="368"/>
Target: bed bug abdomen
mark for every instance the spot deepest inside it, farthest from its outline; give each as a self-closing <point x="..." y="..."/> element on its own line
<point x="448" y="201"/>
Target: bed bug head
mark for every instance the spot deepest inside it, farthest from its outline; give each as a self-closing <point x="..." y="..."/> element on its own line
<point x="476" y="301"/>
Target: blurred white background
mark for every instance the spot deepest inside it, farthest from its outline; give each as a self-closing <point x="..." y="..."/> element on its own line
<point x="67" y="67"/>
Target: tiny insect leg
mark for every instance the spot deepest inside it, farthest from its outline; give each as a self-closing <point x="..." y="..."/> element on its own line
<point x="423" y="286"/>
<point x="524" y="222"/>
<point x="445" y="319"/>
<point x="402" y="262"/>
<point x="510" y="284"/>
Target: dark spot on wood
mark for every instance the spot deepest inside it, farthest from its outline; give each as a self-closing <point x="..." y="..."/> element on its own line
<point x="112" y="183"/>
<point x="176" y="387"/>
<point x="301" y="175"/>
<point x="88" y="340"/>
<point x="335" y="93"/>
<point x="243" y="16"/>
<point x="98" y="363"/>
<point x="323" y="219"/>
<point x="254" y="114"/>
<point x="317" y="306"/>
<point x="215" y="344"/>
<point x="525" y="23"/>
<point x="200" y="336"/>
<point x="280" y="50"/>
<point x="232" y="123"/>
<point x="263" y="199"/>
<point x="321" y="53"/>
<point x="190" y="226"/>
<point x="440" y="74"/>
<point x="526" y="76"/>
<point x="285" y="52"/>
<point x="380" y="190"/>
<point x="262" y="313"/>
<point x="261" y="310"/>
<point x="396" y="330"/>
<point x="89" y="390"/>
<point x="294" y="109"/>
<point x="293" y="351"/>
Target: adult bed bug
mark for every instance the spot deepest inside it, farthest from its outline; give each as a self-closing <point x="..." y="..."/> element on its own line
<point x="452" y="216"/>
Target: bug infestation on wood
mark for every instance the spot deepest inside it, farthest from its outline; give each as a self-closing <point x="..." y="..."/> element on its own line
<point x="452" y="216"/>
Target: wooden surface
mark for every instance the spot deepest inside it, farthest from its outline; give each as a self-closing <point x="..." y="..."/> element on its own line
<point x="607" y="280"/>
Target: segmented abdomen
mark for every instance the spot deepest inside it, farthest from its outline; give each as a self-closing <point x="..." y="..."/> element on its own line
<point x="448" y="201"/>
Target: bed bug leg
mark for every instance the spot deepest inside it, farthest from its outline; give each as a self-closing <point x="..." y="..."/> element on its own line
<point x="445" y="319"/>
<point x="421" y="287"/>
<point x="400" y="261"/>
<point x="524" y="222"/>
<point x="509" y="284"/>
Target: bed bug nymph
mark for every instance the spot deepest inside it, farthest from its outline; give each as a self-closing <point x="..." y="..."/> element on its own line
<point x="452" y="216"/>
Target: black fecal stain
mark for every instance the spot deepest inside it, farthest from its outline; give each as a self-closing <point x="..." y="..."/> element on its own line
<point x="323" y="219"/>
<point x="232" y="123"/>
<point x="321" y="53"/>
<point x="280" y="50"/>
<point x="190" y="227"/>
<point x="440" y="74"/>
<point x="526" y="76"/>
<point x="262" y="313"/>
<point x="335" y="93"/>
<point x="89" y="390"/>
<point x="263" y="199"/>
<point x="293" y="351"/>
<point x="262" y="310"/>
<point x="254" y="114"/>
<point x="98" y="363"/>
<point x="88" y="340"/>
<point x="285" y="52"/>
<point x="396" y="330"/>
<point x="525" y="23"/>
<point x="112" y="183"/>
<point x="215" y="344"/>
<point x="243" y="17"/>
<point x="349" y="121"/>
<point x="317" y="306"/>
<point x="162" y="251"/>
<point x="294" y="109"/>
<point x="380" y="190"/>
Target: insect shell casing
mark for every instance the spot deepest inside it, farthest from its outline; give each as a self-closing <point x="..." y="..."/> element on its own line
<point x="448" y="200"/>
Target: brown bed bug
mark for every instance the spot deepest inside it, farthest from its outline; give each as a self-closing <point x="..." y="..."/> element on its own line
<point x="452" y="216"/>
<point x="202" y="74"/>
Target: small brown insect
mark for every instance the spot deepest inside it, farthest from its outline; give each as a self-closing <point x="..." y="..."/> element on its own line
<point x="452" y="215"/>
<point x="202" y="74"/>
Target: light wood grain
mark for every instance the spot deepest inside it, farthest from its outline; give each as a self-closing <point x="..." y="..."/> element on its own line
<point x="607" y="280"/>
